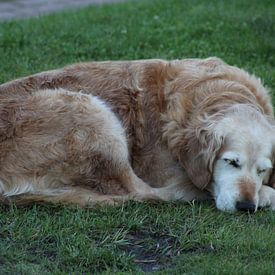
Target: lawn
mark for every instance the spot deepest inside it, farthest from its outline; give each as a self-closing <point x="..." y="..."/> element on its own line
<point x="167" y="238"/>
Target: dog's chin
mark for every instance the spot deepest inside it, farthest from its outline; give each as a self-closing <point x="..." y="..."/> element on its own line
<point x="224" y="200"/>
<point x="226" y="204"/>
<point x="228" y="209"/>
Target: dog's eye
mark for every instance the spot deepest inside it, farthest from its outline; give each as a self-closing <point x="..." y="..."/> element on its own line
<point x="233" y="162"/>
<point x="260" y="171"/>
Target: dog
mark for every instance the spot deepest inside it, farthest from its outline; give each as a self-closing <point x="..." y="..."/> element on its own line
<point x="107" y="132"/>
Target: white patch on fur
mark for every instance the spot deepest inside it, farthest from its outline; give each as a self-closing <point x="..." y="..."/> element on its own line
<point x="225" y="186"/>
<point x="267" y="197"/>
<point x="17" y="188"/>
<point x="114" y="137"/>
<point x="114" y="126"/>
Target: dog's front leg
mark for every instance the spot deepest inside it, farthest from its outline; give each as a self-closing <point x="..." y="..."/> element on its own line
<point x="180" y="191"/>
<point x="267" y="197"/>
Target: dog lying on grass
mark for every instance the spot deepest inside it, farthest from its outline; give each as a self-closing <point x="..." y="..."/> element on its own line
<point x="107" y="132"/>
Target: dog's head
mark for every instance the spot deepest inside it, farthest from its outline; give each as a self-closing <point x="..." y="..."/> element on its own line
<point x="231" y="157"/>
<point x="217" y="126"/>
<point x="229" y="153"/>
<point x="244" y="161"/>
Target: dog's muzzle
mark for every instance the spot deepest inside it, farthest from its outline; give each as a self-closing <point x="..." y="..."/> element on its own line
<point x="246" y="206"/>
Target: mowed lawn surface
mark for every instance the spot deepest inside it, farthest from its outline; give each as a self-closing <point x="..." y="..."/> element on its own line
<point x="172" y="238"/>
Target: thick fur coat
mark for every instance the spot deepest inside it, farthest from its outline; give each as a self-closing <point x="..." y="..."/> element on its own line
<point x="150" y="129"/>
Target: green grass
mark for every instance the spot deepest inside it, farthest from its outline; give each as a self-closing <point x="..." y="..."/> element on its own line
<point x="170" y="238"/>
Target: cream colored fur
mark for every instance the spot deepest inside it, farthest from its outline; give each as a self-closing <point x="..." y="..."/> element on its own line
<point x="106" y="132"/>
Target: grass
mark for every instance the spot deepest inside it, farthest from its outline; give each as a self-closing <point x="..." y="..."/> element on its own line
<point x="135" y="238"/>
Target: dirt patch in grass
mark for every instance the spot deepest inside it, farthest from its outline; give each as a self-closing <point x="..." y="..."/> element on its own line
<point x="150" y="251"/>
<point x="47" y="250"/>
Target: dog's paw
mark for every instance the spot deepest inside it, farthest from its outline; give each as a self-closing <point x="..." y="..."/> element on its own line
<point x="267" y="197"/>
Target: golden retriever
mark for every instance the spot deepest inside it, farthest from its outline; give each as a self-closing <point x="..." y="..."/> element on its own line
<point x="106" y="132"/>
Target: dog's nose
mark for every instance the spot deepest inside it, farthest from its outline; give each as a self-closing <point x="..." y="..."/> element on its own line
<point x="246" y="206"/>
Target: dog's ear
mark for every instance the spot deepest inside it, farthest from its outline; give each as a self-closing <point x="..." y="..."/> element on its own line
<point x="196" y="145"/>
<point x="198" y="152"/>
<point x="190" y="132"/>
